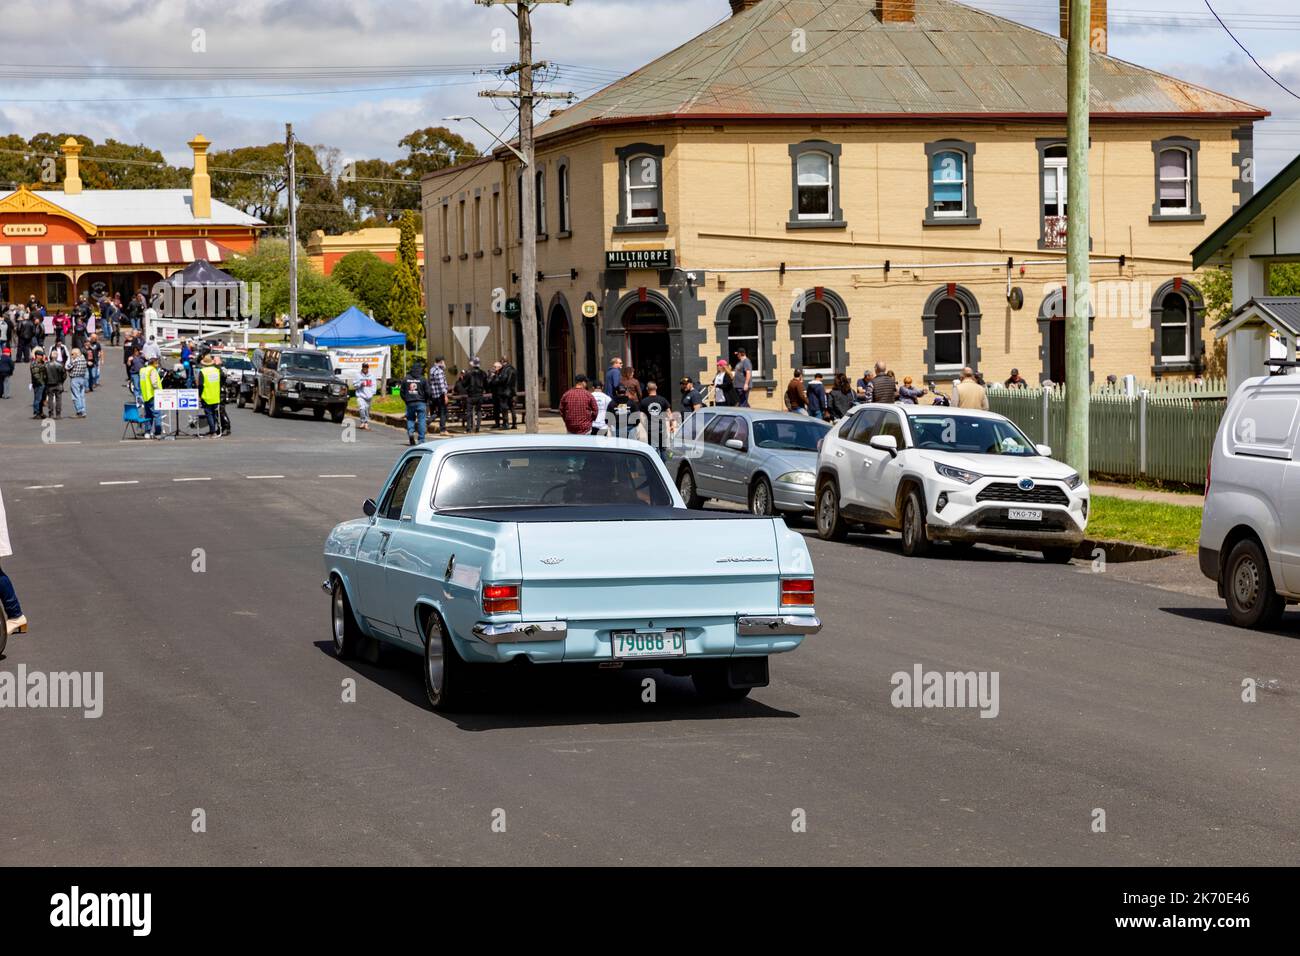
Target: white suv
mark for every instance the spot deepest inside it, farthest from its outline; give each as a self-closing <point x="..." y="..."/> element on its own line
<point x="950" y="474"/>
<point x="1250" y="529"/>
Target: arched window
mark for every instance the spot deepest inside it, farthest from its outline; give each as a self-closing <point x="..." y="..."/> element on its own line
<point x="813" y="176"/>
<point x="951" y="335"/>
<point x="744" y="332"/>
<point x="1175" y="185"/>
<point x="817" y="347"/>
<point x="1175" y="329"/>
<point x="948" y="184"/>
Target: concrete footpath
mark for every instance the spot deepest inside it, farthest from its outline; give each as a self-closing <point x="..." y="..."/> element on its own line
<point x="1188" y="499"/>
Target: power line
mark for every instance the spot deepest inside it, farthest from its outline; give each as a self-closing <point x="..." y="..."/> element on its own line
<point x="1280" y="84"/>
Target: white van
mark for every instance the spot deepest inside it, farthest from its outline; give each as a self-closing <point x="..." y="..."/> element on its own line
<point x="1250" y="530"/>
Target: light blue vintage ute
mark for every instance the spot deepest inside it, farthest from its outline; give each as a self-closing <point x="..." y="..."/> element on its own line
<point x="563" y="550"/>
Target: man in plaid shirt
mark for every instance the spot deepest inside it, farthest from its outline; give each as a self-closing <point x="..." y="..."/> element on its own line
<point x="577" y="408"/>
<point x="438" y="391"/>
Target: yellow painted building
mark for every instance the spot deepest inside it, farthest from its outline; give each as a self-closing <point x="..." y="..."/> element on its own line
<point x="827" y="197"/>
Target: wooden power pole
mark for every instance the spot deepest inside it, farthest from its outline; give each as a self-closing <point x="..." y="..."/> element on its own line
<point x="1078" y="384"/>
<point x="293" y="236"/>
<point x="527" y="97"/>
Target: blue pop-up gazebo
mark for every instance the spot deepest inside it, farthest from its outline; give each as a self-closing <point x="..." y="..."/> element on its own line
<point x="353" y="329"/>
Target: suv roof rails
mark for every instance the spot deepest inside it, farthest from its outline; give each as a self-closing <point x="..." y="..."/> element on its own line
<point x="1283" y="363"/>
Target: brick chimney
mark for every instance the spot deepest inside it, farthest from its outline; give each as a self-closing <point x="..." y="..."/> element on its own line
<point x="740" y="6"/>
<point x="71" y="166"/>
<point x="897" y="11"/>
<point x="1097" y="27"/>
<point x="201" y="182"/>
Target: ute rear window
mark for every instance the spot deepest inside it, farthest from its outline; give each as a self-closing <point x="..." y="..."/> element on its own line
<point x="528" y="478"/>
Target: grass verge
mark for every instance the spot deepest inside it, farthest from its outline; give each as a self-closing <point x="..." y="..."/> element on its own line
<point x="1144" y="522"/>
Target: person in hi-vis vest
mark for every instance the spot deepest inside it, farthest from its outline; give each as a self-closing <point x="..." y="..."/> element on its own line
<point x="150" y="383"/>
<point x="210" y="393"/>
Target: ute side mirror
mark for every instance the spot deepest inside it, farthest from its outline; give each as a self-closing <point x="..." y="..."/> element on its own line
<point x="369" y="507"/>
<point x="1044" y="450"/>
<point x="885" y="443"/>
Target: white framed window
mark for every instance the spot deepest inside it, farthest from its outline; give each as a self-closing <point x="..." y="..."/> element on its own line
<point x="1175" y="329"/>
<point x="644" y="197"/>
<point x="563" y="182"/>
<point x="949" y="336"/>
<point x="948" y="184"/>
<point x="1055" y="182"/>
<point x="817" y="345"/>
<point x="744" y="332"/>
<point x="813" y="185"/>
<point x="1175" y="186"/>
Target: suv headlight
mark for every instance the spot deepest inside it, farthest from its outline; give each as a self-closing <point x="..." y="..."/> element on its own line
<point x="957" y="474"/>
<point x="338" y="389"/>
<point x="799" y="478"/>
<point x="1074" y="481"/>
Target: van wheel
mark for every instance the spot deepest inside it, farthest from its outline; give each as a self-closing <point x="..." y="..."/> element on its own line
<point x="760" y="499"/>
<point x="1248" y="588"/>
<point x="831" y="525"/>
<point x="445" y="673"/>
<point x="686" y="487"/>
<point x="347" y="635"/>
<point x="916" y="542"/>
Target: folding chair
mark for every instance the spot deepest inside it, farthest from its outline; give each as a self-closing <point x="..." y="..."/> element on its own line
<point x="133" y="415"/>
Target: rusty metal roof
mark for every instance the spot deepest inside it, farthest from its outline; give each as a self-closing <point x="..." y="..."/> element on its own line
<point x="951" y="61"/>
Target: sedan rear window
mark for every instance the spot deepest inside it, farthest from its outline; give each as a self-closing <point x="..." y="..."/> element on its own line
<point x="527" y="478"/>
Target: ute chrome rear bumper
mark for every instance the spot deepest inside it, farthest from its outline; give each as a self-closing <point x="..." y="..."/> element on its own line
<point x="764" y="625"/>
<point x="521" y="631"/>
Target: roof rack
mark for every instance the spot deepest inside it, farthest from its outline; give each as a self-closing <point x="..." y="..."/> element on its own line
<point x="1283" y="363"/>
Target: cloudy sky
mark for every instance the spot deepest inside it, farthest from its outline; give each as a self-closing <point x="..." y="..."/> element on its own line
<point x="222" y="66"/>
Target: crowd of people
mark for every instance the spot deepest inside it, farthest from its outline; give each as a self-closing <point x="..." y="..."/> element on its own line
<point x="814" y="398"/>
<point x="429" y="394"/>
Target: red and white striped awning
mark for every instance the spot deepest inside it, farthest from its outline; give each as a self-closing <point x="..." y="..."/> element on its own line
<point x="112" y="252"/>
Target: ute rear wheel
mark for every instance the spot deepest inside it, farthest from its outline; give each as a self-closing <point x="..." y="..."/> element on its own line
<point x="1248" y="587"/>
<point x="446" y="675"/>
<point x="831" y="525"/>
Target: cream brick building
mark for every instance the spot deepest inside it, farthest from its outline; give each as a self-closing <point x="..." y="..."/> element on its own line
<point x="827" y="185"/>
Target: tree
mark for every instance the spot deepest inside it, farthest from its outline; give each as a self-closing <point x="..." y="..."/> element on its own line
<point x="266" y="269"/>
<point x="1216" y="291"/>
<point x="369" y="278"/>
<point x="434" y="148"/>
<point x="377" y="197"/>
<point x="404" y="311"/>
<point x="251" y="178"/>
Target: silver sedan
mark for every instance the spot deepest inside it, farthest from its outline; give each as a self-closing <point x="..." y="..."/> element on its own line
<point x="764" y="460"/>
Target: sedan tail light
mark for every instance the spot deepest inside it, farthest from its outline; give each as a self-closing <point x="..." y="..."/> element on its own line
<point x="796" y="592"/>
<point x="500" y="598"/>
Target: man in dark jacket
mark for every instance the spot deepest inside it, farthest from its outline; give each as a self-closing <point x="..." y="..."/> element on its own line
<point x="56" y="375"/>
<point x="504" y="385"/>
<point x="26" y="335"/>
<point x="6" y="370"/>
<point x="415" y="393"/>
<point x="476" y="384"/>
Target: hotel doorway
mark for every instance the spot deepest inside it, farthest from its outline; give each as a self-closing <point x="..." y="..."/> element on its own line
<point x="648" y="349"/>
<point x="559" y="354"/>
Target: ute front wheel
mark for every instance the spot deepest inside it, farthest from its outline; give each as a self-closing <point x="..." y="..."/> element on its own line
<point x="347" y="635"/>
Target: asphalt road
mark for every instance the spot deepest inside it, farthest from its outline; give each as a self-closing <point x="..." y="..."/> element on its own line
<point x="221" y="693"/>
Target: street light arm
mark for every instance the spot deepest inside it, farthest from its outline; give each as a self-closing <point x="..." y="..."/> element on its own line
<point x="495" y="137"/>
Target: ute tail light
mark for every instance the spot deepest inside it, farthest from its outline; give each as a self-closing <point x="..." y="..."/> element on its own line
<point x="796" y="592"/>
<point x="500" y="598"/>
